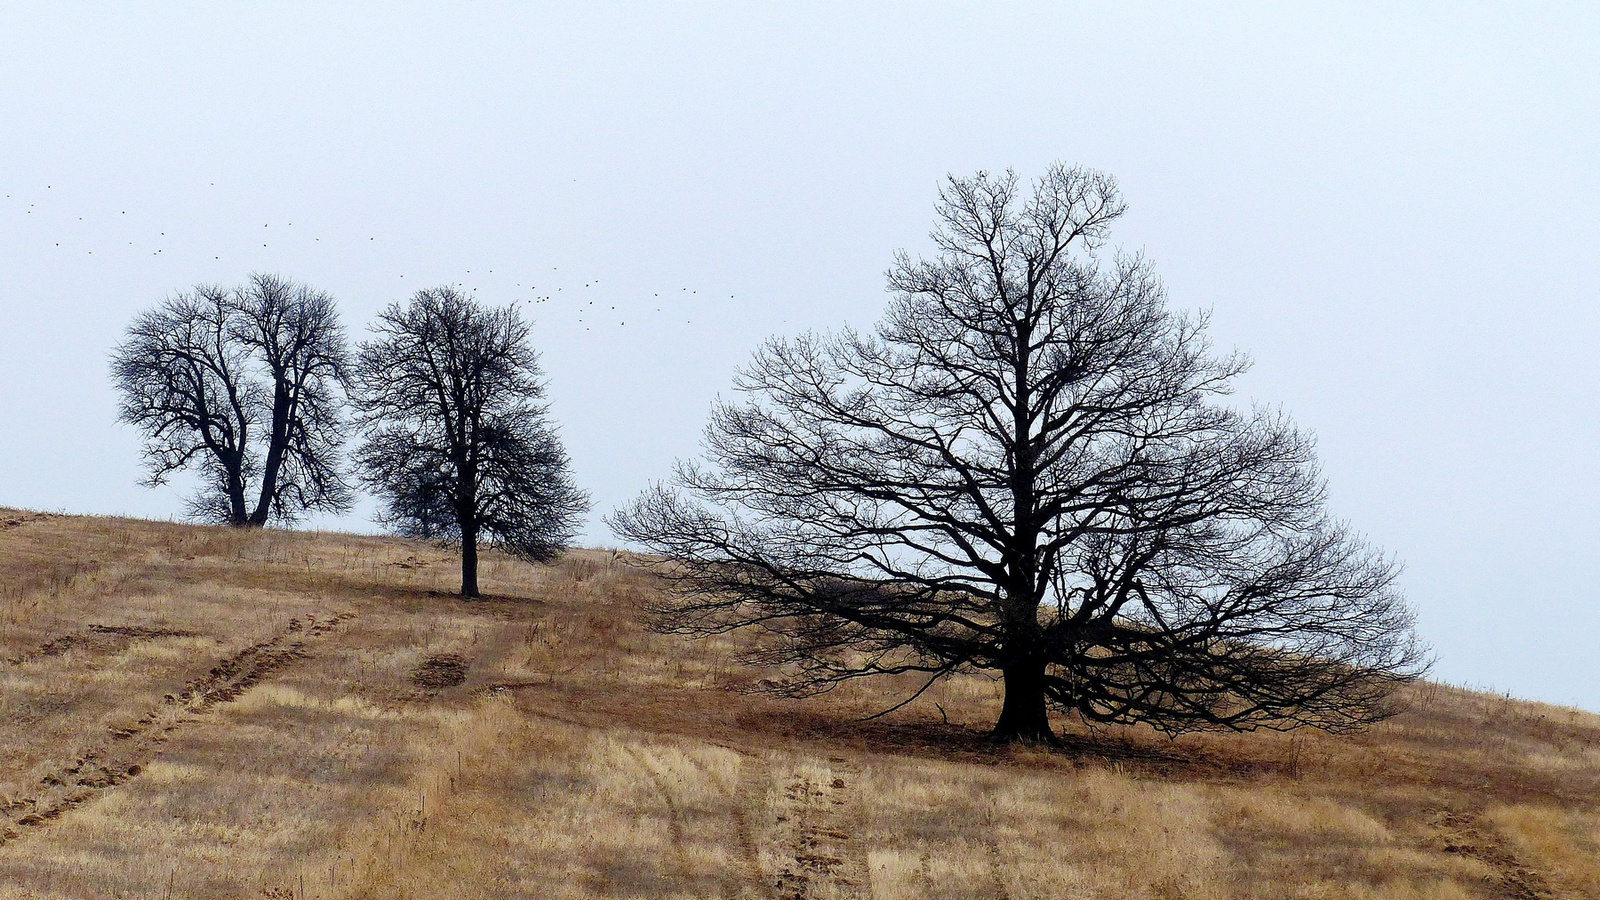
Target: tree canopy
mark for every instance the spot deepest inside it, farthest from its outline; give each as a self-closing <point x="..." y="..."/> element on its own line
<point x="242" y="386"/>
<point x="459" y="444"/>
<point x="1030" y="468"/>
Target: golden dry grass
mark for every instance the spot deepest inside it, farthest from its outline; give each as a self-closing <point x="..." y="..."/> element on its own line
<point x="200" y="712"/>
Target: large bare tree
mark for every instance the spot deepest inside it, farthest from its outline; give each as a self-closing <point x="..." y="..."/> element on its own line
<point x="459" y="443"/>
<point x="1030" y="469"/>
<point x="241" y="385"/>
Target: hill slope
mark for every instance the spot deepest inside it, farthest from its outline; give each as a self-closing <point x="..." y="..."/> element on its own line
<point x="198" y="712"/>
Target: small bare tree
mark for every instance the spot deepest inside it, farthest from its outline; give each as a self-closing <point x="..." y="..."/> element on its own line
<point x="459" y="443"/>
<point x="1027" y="471"/>
<point x="212" y="375"/>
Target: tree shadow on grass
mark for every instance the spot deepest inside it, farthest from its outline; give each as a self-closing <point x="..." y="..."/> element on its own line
<point x="1151" y="755"/>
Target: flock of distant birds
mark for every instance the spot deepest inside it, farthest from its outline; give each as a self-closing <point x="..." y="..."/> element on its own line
<point x="582" y="309"/>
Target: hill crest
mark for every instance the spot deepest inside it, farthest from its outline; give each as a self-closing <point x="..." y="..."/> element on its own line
<point x="193" y="712"/>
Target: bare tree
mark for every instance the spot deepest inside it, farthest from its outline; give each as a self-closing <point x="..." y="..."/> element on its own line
<point x="203" y="372"/>
<point x="1028" y="470"/>
<point x="294" y="333"/>
<point x="459" y="444"/>
<point x="185" y="385"/>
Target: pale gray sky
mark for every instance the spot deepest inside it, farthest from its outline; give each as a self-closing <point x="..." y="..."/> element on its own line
<point x="1395" y="213"/>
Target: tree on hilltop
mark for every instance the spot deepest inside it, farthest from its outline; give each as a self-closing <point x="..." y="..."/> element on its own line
<point x="241" y="386"/>
<point x="1028" y="470"/>
<point x="459" y="444"/>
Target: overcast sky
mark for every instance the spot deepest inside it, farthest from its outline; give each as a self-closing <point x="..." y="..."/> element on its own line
<point x="1395" y="214"/>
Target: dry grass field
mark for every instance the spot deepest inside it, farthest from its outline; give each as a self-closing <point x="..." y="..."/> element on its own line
<point x="199" y="712"/>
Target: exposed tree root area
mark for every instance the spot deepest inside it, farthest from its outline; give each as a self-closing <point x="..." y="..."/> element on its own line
<point x="196" y="712"/>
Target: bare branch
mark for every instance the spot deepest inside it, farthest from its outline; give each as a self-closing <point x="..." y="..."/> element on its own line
<point x="1030" y="468"/>
<point x="459" y="443"/>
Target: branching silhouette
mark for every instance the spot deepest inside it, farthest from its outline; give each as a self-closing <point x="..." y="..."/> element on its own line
<point x="1028" y="470"/>
<point x="459" y="443"/>
<point x="211" y="375"/>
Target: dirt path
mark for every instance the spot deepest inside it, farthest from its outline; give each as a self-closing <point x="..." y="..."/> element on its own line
<point x="77" y="780"/>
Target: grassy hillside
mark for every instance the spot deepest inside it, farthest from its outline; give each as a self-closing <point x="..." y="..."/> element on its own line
<point x="198" y="712"/>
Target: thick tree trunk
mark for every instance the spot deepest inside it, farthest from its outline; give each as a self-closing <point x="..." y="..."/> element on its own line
<point x="1023" y="718"/>
<point x="467" y="518"/>
<point x="469" y="562"/>
<point x="283" y="411"/>
<point x="238" y="515"/>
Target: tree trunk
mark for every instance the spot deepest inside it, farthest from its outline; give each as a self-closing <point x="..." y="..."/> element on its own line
<point x="469" y="561"/>
<point x="238" y="514"/>
<point x="1023" y="718"/>
<point x="277" y="441"/>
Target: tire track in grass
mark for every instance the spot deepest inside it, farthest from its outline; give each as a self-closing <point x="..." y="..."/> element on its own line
<point x="819" y="858"/>
<point x="97" y="639"/>
<point x="678" y="852"/>
<point x="796" y="828"/>
<point x="997" y="865"/>
<point x="1459" y="832"/>
<point x="93" y="771"/>
<point x="749" y="797"/>
<point x="852" y="873"/>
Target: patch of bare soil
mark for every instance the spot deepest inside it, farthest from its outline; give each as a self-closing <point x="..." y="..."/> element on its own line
<point x="98" y="639"/>
<point x="440" y="671"/>
<point x="14" y="521"/>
